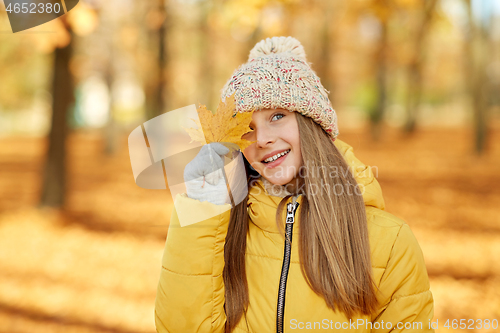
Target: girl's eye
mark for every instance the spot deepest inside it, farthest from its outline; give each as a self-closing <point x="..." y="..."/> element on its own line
<point x="280" y="115"/>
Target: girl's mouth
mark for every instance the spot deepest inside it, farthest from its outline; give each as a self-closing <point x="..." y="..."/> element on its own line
<point x="275" y="160"/>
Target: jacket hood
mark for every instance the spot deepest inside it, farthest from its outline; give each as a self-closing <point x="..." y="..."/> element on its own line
<point x="263" y="202"/>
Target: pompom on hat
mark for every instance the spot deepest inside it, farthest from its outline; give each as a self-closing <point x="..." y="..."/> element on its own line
<point x="277" y="75"/>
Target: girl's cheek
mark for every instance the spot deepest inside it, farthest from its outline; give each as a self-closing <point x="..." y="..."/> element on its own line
<point x="248" y="152"/>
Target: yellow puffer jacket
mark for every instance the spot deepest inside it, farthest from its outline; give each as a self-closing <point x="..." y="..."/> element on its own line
<point x="190" y="295"/>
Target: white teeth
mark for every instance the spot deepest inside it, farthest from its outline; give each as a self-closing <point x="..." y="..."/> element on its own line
<point x="275" y="157"/>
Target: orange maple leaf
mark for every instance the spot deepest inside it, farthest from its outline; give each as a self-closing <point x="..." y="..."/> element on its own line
<point x="223" y="126"/>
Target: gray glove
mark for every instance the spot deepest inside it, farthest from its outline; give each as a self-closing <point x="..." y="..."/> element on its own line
<point x="204" y="177"/>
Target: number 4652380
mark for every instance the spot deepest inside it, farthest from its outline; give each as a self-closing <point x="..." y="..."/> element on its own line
<point x="471" y="324"/>
<point x="31" y="8"/>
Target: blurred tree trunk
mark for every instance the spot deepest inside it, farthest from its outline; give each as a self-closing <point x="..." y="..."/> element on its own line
<point x="326" y="41"/>
<point x="206" y="58"/>
<point x="415" y="66"/>
<point x="156" y="95"/>
<point x="54" y="176"/>
<point x="162" y="61"/>
<point x="254" y="38"/>
<point x="291" y="10"/>
<point x="477" y="59"/>
<point x="107" y="36"/>
<point x="377" y="111"/>
<point x="110" y="130"/>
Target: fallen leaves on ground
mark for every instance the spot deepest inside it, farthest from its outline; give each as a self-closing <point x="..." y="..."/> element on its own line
<point x="94" y="267"/>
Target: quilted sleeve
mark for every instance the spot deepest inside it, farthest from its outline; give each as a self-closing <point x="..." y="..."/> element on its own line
<point x="406" y="301"/>
<point x="190" y="294"/>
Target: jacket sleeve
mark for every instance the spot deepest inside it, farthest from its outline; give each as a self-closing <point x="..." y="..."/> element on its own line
<point x="405" y="297"/>
<point x="190" y="294"/>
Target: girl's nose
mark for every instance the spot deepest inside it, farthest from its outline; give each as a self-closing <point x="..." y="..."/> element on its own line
<point x="264" y="138"/>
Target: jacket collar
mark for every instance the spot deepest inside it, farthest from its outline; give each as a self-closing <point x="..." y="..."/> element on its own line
<point x="262" y="207"/>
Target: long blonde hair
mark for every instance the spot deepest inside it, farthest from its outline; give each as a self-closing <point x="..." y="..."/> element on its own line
<point x="333" y="240"/>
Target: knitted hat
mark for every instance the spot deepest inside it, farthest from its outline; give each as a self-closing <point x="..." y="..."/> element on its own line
<point x="277" y="75"/>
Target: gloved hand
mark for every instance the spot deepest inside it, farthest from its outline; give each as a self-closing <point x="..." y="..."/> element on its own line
<point x="203" y="175"/>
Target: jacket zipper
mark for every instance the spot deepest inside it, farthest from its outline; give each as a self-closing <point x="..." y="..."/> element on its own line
<point x="290" y="219"/>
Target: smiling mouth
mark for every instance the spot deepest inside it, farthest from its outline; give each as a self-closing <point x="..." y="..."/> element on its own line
<point x="275" y="157"/>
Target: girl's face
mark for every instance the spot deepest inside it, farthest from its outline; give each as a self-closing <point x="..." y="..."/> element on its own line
<point x="276" y="153"/>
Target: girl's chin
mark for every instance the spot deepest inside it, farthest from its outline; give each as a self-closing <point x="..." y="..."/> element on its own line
<point x="278" y="181"/>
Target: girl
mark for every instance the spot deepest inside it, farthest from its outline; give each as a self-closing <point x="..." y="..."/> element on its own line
<point x="335" y="261"/>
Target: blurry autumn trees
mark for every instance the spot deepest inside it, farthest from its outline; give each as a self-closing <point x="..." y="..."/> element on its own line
<point x="425" y="12"/>
<point x="85" y="81"/>
<point x="53" y="192"/>
<point x="478" y="50"/>
<point x="382" y="57"/>
<point x="384" y="11"/>
<point x="207" y="54"/>
<point x="54" y="184"/>
<point x="158" y="22"/>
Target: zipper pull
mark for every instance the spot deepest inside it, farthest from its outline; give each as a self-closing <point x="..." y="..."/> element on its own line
<point x="291" y="208"/>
